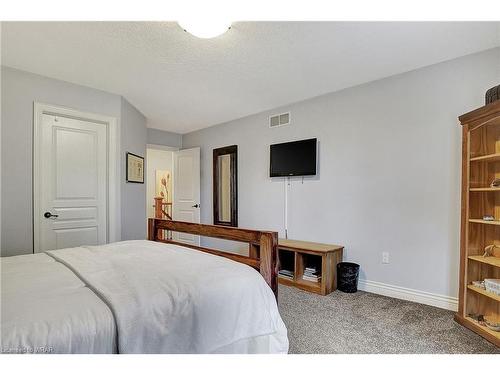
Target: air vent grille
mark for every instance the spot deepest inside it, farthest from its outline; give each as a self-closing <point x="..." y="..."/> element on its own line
<point x="279" y="120"/>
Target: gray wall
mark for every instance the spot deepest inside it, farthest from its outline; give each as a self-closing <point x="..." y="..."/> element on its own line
<point x="389" y="170"/>
<point x="133" y="196"/>
<point x="160" y="137"/>
<point x="18" y="92"/>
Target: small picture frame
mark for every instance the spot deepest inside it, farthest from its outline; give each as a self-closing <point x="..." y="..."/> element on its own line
<point x="135" y="168"/>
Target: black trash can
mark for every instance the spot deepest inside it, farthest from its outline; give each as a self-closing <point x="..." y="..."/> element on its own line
<point x="347" y="277"/>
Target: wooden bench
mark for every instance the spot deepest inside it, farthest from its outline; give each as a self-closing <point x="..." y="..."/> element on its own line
<point x="300" y="254"/>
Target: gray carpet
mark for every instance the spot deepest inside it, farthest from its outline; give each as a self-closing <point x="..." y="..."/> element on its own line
<point x="368" y="323"/>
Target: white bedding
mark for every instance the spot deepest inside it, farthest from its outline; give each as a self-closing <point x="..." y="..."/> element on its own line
<point x="45" y="308"/>
<point x="163" y="299"/>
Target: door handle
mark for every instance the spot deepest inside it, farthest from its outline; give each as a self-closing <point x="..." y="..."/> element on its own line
<point x="196" y="205"/>
<point x="48" y="215"/>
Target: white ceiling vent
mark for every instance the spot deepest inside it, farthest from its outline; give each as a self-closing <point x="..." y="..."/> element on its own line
<point x="279" y="120"/>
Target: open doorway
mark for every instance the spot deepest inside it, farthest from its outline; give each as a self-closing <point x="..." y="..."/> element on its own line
<point x="159" y="180"/>
<point x="173" y="187"/>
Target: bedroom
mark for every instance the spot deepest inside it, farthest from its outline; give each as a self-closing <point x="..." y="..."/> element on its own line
<point x="285" y="187"/>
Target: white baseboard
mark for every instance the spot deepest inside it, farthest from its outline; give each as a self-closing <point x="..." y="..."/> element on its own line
<point x="437" y="300"/>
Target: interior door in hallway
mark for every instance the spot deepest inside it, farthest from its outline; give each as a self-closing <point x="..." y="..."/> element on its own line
<point x="186" y="205"/>
<point x="72" y="183"/>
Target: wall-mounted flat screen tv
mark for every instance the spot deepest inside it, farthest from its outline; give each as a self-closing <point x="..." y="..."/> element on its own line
<point x="293" y="158"/>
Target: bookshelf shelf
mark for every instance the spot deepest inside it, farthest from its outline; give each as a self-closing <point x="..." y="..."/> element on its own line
<point x="315" y="286"/>
<point x="483" y="292"/>
<point x="490" y="157"/>
<point x="485" y="189"/>
<point x="487" y="222"/>
<point x="492" y="261"/>
<point x="480" y="136"/>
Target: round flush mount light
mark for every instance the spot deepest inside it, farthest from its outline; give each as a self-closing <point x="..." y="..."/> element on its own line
<point x="205" y="29"/>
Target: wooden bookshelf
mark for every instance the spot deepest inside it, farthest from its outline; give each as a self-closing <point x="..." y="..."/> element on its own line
<point x="480" y="166"/>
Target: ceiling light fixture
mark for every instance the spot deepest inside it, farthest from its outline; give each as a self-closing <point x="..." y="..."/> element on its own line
<point x="205" y="28"/>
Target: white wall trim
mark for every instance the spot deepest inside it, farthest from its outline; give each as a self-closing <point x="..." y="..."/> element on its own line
<point x="161" y="147"/>
<point x="114" y="173"/>
<point x="426" y="298"/>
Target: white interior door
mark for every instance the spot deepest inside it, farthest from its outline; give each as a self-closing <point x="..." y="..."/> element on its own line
<point x="72" y="183"/>
<point x="186" y="205"/>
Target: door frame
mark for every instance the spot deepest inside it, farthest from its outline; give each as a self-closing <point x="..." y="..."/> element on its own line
<point x="113" y="225"/>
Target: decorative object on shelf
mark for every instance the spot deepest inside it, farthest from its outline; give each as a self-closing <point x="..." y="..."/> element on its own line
<point x="495" y="183"/>
<point x="477" y="317"/>
<point x="485" y="321"/>
<point x="479" y="284"/>
<point x="492" y="95"/>
<point x="488" y="218"/>
<point x="494" y="326"/>
<point x="135" y="168"/>
<point x="490" y="250"/>
<point x="492" y="286"/>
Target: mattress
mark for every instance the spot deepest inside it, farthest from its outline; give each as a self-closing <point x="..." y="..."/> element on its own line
<point x="136" y="297"/>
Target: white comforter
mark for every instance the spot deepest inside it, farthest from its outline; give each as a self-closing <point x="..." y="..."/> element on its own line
<point x="45" y="308"/>
<point x="164" y="299"/>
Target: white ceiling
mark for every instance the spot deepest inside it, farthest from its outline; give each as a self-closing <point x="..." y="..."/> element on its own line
<point x="181" y="83"/>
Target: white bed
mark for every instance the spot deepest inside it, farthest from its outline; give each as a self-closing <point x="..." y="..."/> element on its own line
<point x="136" y="297"/>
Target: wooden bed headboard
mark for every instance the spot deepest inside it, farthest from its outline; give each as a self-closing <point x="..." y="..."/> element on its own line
<point x="262" y="245"/>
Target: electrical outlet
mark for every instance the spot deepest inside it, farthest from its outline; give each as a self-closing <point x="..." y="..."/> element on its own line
<point x="385" y="257"/>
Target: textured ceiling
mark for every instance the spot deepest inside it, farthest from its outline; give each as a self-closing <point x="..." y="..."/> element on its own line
<point x="181" y="83"/>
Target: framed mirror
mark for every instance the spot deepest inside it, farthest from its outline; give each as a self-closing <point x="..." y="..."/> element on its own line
<point x="225" y="179"/>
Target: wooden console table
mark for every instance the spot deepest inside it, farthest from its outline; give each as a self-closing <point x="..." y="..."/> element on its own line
<point x="296" y="255"/>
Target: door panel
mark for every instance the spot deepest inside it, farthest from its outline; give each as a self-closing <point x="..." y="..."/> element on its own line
<point x="76" y="169"/>
<point x="186" y="206"/>
<point x="76" y="237"/>
<point x="75" y="213"/>
<point x="73" y="183"/>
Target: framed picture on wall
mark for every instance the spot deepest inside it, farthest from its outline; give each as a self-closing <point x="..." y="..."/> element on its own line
<point x="135" y="168"/>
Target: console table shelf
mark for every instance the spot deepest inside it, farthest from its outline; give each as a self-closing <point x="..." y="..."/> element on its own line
<point x="295" y="256"/>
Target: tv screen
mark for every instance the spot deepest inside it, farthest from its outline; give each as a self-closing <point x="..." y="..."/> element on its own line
<point x="293" y="158"/>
